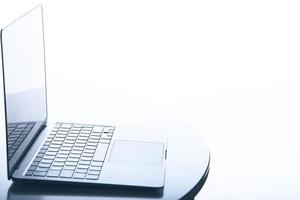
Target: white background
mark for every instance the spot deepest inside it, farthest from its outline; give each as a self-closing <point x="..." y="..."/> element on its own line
<point x="230" y="68"/>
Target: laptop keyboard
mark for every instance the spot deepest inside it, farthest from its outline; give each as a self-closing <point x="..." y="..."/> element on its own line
<point x="72" y="151"/>
<point x="17" y="132"/>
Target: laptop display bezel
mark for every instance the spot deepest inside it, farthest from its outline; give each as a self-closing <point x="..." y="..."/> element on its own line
<point x="43" y="123"/>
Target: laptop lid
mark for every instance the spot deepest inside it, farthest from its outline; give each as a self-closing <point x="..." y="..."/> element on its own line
<point x="23" y="62"/>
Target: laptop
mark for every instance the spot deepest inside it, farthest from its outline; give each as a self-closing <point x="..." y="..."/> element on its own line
<point x="43" y="150"/>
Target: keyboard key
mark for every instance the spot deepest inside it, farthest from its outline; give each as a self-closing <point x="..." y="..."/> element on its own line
<point x="106" y="129"/>
<point x="57" y="142"/>
<point x="93" y="141"/>
<point x="64" y="152"/>
<point x="91" y="144"/>
<point x="78" y="149"/>
<point x="56" y="168"/>
<point x="85" y="133"/>
<point x="48" y="157"/>
<point x="44" y="165"/>
<point x="31" y="124"/>
<point x="53" y="173"/>
<point x="87" y="128"/>
<point x="89" y="151"/>
<point x="50" y="154"/>
<point x="83" y="137"/>
<point x="96" y="163"/>
<point x="39" y="169"/>
<point x="60" y="135"/>
<point x="58" y="139"/>
<point x="66" y="126"/>
<point x="78" y="170"/>
<point x="82" y="162"/>
<point x="66" y="174"/>
<point x="68" y="144"/>
<point x="79" y="166"/>
<point x="74" y="155"/>
<point x="100" y="152"/>
<point x="86" y="158"/>
<point x="29" y="173"/>
<point x="96" y="133"/>
<point x="98" y="129"/>
<point x="93" y="172"/>
<point x="39" y="159"/>
<point x="60" y="160"/>
<point x="41" y="174"/>
<point x="73" y="135"/>
<point x="61" y="129"/>
<point x="75" y="129"/>
<point x="87" y="154"/>
<point x="106" y="136"/>
<point x="71" y="159"/>
<point x="71" y="142"/>
<point x="45" y="161"/>
<point x="59" y="155"/>
<point x="79" y="176"/>
<point x="21" y="125"/>
<point x="104" y="141"/>
<point x="72" y="168"/>
<point x="34" y="163"/>
<point x="55" y="146"/>
<point x="14" y="147"/>
<point x="79" y="144"/>
<point x="95" y="137"/>
<point x="51" y="149"/>
<point x="22" y="137"/>
<point x="92" y="177"/>
<point x="75" y="152"/>
<point x="32" y="168"/>
<point x="58" y="164"/>
<point x="70" y="163"/>
<point x="44" y="148"/>
<point x="70" y="138"/>
<point x="91" y="148"/>
<point x="94" y="168"/>
<point x="66" y="148"/>
<point x="54" y="130"/>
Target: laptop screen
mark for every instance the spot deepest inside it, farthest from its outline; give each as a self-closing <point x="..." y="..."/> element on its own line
<point x="22" y="44"/>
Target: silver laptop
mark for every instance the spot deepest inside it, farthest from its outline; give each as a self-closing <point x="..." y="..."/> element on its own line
<point x="39" y="150"/>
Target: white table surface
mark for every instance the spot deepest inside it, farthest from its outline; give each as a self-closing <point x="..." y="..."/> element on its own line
<point x="253" y="138"/>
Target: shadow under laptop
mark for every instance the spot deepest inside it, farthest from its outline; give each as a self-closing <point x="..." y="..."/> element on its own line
<point x="33" y="191"/>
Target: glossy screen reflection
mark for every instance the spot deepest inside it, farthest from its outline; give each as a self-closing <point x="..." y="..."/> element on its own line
<point x="24" y="78"/>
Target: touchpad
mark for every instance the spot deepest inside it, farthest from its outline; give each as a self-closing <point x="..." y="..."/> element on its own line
<point x="137" y="153"/>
